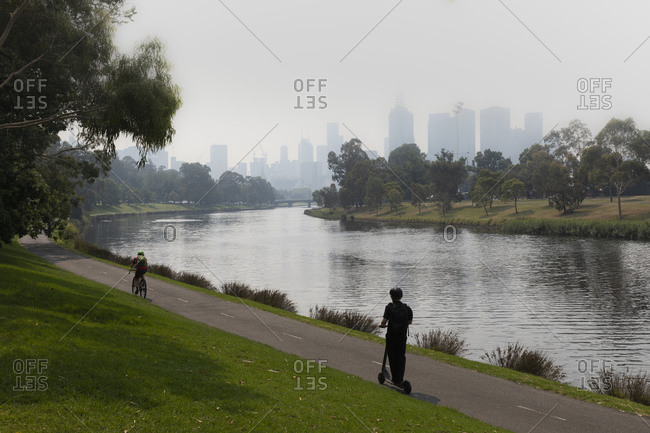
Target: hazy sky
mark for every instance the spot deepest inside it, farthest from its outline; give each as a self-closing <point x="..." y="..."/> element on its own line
<point x="522" y="54"/>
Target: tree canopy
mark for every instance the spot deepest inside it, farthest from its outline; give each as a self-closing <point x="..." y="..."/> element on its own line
<point x="59" y="70"/>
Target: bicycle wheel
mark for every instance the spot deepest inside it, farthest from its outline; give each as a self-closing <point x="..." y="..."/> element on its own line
<point x="134" y="289"/>
<point x="143" y="288"/>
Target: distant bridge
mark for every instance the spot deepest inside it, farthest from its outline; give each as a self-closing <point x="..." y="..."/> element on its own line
<point x="291" y="202"/>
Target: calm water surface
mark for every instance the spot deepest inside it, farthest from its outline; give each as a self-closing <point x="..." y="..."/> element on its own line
<point x="584" y="301"/>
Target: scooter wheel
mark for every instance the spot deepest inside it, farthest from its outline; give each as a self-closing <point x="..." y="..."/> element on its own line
<point x="380" y="378"/>
<point x="406" y="386"/>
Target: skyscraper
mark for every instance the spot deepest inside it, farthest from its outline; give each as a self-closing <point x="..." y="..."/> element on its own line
<point x="218" y="160"/>
<point x="334" y="139"/>
<point x="400" y="128"/>
<point x="442" y="134"/>
<point x="534" y="126"/>
<point x="305" y="151"/>
<point x="495" y="128"/>
<point x="466" y="134"/>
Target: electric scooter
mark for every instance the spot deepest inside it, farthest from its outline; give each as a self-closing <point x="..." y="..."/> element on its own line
<point x="385" y="376"/>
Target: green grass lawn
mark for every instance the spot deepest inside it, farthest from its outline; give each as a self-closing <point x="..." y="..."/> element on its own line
<point x="130" y="366"/>
<point x="633" y="208"/>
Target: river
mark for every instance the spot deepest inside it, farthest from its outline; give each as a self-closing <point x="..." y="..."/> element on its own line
<point x="584" y="301"/>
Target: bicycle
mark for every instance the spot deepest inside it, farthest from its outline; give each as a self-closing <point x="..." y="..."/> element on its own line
<point x="139" y="288"/>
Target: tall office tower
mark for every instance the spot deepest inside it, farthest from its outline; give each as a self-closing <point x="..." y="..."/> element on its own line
<point x="495" y="129"/>
<point x="305" y="151"/>
<point x="400" y="128"/>
<point x="518" y="141"/>
<point x="284" y="153"/>
<point x="442" y="134"/>
<point x="131" y="151"/>
<point x="321" y="154"/>
<point x="534" y="126"/>
<point x="334" y="139"/>
<point x="218" y="160"/>
<point x="466" y="135"/>
<point x="386" y="148"/>
<point x="242" y="169"/>
<point x="258" y="167"/>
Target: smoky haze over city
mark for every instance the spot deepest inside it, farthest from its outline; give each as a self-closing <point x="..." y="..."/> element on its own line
<point x="243" y="68"/>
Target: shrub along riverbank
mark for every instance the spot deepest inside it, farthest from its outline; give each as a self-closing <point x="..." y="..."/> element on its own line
<point x="596" y="218"/>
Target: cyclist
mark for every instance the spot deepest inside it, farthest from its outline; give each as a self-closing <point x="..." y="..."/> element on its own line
<point x="140" y="263"/>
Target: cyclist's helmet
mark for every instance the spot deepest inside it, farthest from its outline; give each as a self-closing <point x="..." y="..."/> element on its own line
<point x="140" y="253"/>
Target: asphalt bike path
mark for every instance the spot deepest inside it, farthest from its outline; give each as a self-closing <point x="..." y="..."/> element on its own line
<point x="493" y="400"/>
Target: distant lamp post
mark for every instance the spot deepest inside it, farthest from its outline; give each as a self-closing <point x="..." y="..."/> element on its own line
<point x="457" y="109"/>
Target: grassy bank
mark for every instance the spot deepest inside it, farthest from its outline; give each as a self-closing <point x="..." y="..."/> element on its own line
<point x="597" y="217"/>
<point x="131" y="366"/>
<point x="134" y="209"/>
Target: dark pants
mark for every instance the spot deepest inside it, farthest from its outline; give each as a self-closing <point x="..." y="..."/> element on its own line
<point x="396" y="348"/>
<point x="140" y="272"/>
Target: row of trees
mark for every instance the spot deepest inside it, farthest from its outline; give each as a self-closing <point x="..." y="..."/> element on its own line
<point x="566" y="167"/>
<point x="192" y="183"/>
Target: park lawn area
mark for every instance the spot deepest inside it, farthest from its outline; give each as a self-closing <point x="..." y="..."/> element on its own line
<point x="633" y="208"/>
<point x="131" y="366"/>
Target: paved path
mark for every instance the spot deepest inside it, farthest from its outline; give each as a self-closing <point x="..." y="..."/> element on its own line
<point x="496" y="401"/>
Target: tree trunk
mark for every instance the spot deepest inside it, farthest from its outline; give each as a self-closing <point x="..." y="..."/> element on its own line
<point x="618" y="196"/>
<point x="516" y="211"/>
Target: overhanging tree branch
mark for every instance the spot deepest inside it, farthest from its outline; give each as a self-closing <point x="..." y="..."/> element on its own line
<point x="40" y="121"/>
<point x="13" y="17"/>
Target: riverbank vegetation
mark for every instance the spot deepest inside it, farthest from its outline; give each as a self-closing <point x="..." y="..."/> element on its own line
<point x="568" y="176"/>
<point x="520" y="358"/>
<point x="447" y="341"/>
<point x="596" y="217"/>
<point x="132" y="366"/>
<point x="347" y="319"/>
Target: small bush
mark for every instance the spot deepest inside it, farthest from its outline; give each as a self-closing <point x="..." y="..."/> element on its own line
<point x="194" y="280"/>
<point x="443" y="341"/>
<point x="274" y="298"/>
<point x="347" y="319"/>
<point x="517" y="357"/>
<point x="635" y="387"/>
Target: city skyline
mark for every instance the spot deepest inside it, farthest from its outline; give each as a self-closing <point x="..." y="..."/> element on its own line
<point x="428" y="54"/>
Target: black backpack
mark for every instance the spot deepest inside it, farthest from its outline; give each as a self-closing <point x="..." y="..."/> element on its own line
<point x="399" y="319"/>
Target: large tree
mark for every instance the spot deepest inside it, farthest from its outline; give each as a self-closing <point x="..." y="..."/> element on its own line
<point x="628" y="152"/>
<point x="59" y="69"/>
<point x="410" y="165"/>
<point x="447" y="176"/>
